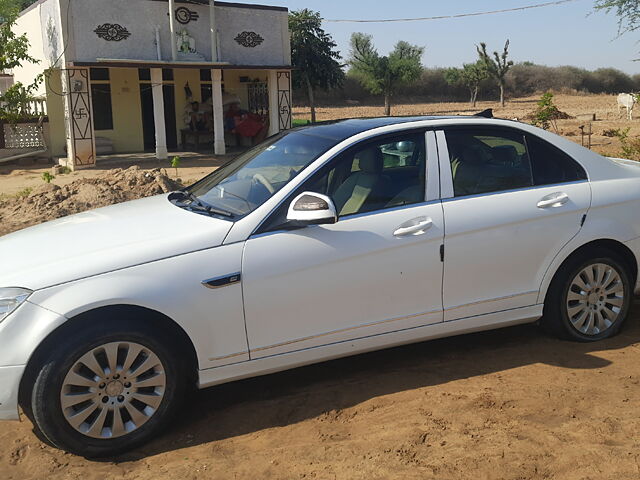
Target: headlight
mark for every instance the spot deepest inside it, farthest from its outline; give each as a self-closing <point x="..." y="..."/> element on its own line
<point x="10" y="299"/>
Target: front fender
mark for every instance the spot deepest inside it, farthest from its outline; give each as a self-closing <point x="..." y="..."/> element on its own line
<point x="213" y="319"/>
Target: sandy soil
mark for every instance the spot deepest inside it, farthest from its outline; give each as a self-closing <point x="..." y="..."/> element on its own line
<point x="510" y="404"/>
<point x="16" y="177"/>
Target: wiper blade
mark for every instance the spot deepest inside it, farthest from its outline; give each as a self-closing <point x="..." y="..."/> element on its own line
<point x="197" y="204"/>
<point x="216" y="211"/>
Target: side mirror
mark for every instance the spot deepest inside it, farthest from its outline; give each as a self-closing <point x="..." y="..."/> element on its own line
<point x="311" y="208"/>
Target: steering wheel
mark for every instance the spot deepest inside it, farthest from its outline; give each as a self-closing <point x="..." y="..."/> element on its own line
<point x="258" y="177"/>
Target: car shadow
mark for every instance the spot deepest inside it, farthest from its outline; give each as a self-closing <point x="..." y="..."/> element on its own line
<point x="286" y="398"/>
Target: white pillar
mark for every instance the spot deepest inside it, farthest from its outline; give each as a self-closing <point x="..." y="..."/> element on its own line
<point x="214" y="31"/>
<point x="172" y="29"/>
<point x="274" y="114"/>
<point x="158" y="114"/>
<point x="218" y="113"/>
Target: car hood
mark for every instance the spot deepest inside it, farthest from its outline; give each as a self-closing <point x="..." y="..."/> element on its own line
<point x="104" y="240"/>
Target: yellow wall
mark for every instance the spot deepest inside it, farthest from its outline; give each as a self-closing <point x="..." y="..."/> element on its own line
<point x="127" y="133"/>
<point x="55" y="110"/>
<point x="127" y="114"/>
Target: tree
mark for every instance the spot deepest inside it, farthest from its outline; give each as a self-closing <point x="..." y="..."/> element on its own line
<point x="470" y="75"/>
<point x="313" y="55"/>
<point x="498" y="67"/>
<point x="628" y="12"/>
<point x="14" y="50"/>
<point x="384" y="74"/>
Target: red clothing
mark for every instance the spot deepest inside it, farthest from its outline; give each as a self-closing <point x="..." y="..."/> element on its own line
<point x="249" y="126"/>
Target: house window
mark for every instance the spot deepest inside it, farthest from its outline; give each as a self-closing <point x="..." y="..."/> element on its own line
<point x="167" y="74"/>
<point x="101" y="99"/>
<point x="144" y="74"/>
<point x="205" y="75"/>
<point x="258" y="94"/>
<point x="99" y="74"/>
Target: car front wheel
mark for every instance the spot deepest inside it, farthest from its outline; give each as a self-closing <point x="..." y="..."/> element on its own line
<point x="589" y="299"/>
<point x="101" y="394"/>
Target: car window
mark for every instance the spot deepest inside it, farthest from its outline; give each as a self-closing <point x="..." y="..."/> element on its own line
<point x="256" y="175"/>
<point x="488" y="160"/>
<point x="375" y="175"/>
<point x="371" y="176"/>
<point x="551" y="165"/>
<point x="395" y="154"/>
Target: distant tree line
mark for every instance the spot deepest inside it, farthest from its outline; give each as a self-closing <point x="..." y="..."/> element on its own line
<point x="523" y="79"/>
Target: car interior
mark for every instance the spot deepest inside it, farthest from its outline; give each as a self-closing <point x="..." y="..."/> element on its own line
<point x="487" y="163"/>
<point x="379" y="176"/>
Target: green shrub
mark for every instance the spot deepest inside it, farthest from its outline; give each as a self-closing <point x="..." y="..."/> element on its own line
<point x="547" y="113"/>
<point x="630" y="147"/>
<point x="175" y="163"/>
<point x="47" y="177"/>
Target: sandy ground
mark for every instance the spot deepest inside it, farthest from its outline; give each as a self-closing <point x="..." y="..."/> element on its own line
<point x="16" y="177"/>
<point x="509" y="404"/>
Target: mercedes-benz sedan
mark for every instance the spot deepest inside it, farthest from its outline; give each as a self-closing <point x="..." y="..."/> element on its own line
<point x="322" y="242"/>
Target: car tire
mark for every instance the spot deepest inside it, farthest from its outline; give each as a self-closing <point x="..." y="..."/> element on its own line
<point x="124" y="406"/>
<point x="589" y="297"/>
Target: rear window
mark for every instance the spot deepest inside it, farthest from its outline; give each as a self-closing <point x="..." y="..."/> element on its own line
<point x="551" y="165"/>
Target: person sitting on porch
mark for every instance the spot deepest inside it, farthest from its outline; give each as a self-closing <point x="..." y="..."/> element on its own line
<point x="196" y="118"/>
<point x="245" y="124"/>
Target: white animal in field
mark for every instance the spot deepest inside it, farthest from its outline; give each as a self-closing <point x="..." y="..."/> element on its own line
<point x="627" y="100"/>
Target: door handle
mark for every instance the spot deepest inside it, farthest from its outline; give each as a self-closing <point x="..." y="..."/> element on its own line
<point x="553" y="200"/>
<point x="416" y="226"/>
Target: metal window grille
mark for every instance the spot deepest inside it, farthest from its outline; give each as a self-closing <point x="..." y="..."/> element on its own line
<point x="258" y="98"/>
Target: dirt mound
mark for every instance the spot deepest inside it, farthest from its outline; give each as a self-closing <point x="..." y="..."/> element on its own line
<point x="50" y="201"/>
<point x="557" y="115"/>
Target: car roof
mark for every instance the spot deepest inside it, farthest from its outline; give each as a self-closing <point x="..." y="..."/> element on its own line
<point x="339" y="130"/>
<point x="598" y="168"/>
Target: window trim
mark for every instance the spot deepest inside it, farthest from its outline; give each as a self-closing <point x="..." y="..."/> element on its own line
<point x="431" y="169"/>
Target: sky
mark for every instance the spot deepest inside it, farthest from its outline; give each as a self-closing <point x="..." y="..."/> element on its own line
<point x="568" y="34"/>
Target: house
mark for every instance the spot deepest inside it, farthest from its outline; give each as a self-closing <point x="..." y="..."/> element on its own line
<point x="125" y="72"/>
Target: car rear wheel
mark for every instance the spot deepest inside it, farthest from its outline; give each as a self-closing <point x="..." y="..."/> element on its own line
<point x="589" y="298"/>
<point x="103" y="393"/>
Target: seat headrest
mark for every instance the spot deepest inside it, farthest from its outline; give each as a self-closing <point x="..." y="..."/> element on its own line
<point x="472" y="156"/>
<point x="405" y="146"/>
<point x="370" y="160"/>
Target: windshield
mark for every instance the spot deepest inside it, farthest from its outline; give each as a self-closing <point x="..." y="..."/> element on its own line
<point x="255" y="176"/>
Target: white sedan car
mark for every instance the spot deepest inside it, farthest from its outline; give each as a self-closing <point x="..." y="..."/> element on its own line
<point x="322" y="242"/>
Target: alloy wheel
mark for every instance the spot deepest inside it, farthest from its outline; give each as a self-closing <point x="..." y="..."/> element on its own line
<point x="113" y="389"/>
<point x="595" y="299"/>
